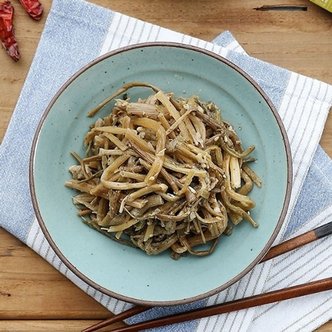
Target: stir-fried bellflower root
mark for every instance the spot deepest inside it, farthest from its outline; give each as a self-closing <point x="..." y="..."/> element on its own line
<point x="163" y="173"/>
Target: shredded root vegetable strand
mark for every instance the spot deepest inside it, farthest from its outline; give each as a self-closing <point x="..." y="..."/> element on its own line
<point x="163" y="173"/>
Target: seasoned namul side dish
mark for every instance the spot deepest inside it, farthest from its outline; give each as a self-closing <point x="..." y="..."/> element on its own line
<point x="163" y="173"/>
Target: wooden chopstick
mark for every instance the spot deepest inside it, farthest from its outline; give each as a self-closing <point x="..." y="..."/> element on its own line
<point x="117" y="318"/>
<point x="249" y="302"/>
<point x="299" y="241"/>
<point x="282" y="7"/>
<point x="275" y="251"/>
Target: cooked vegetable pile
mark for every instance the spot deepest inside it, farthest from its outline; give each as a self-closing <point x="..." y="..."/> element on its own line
<point x="163" y="173"/>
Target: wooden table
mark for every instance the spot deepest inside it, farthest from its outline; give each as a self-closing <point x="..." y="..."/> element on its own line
<point x="33" y="295"/>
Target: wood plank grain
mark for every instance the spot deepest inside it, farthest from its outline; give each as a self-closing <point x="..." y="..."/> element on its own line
<point x="325" y="328"/>
<point x="326" y="141"/>
<point x="48" y="325"/>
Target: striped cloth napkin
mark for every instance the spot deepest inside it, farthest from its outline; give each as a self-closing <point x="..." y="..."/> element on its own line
<point x="77" y="32"/>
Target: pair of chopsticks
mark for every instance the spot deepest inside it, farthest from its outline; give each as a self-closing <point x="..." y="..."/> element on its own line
<point x="245" y="303"/>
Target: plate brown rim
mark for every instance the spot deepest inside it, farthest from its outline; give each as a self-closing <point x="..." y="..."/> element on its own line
<point x="104" y="290"/>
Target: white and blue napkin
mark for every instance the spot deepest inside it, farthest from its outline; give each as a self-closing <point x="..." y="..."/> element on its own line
<point x="77" y="32"/>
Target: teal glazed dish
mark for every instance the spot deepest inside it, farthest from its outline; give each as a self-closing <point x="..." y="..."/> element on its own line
<point x="128" y="273"/>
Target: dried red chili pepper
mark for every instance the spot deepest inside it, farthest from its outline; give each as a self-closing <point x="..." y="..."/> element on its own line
<point x="7" y="36"/>
<point x="33" y="7"/>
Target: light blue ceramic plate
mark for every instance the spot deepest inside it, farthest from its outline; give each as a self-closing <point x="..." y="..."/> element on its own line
<point x="124" y="272"/>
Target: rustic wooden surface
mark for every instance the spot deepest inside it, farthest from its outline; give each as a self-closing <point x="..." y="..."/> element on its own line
<point x="33" y="295"/>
